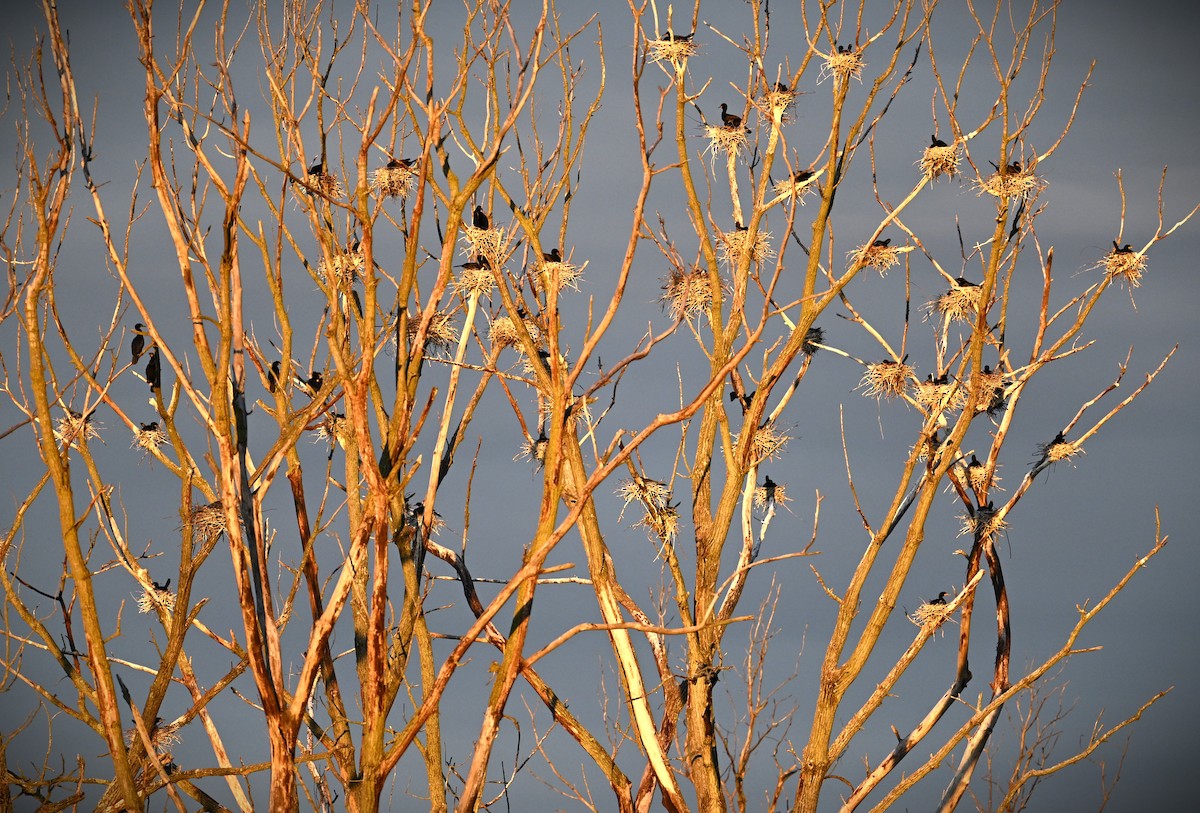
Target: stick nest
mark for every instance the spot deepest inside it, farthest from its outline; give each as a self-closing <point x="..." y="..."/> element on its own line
<point x="344" y="266"/>
<point x="149" y="437"/>
<point x="580" y="407"/>
<point x="729" y="140"/>
<point x="661" y="524"/>
<point x="208" y="520"/>
<point x="650" y="493"/>
<point x="393" y="182"/>
<point x="984" y="523"/>
<point x="554" y="276"/>
<point x="776" y="102"/>
<point x="734" y="244"/>
<point x="799" y="186"/>
<point x="74" y="426"/>
<point x="938" y="396"/>
<point x="152" y="599"/>
<point x="503" y="332"/>
<point x="677" y="52"/>
<point x="843" y="66"/>
<point x="534" y="449"/>
<point x="1058" y="451"/>
<point x="978" y="477"/>
<point x="476" y="280"/>
<point x="1007" y="184"/>
<point x="324" y="184"/>
<point x="333" y="426"/>
<point x="764" y="496"/>
<point x="885" y="379"/>
<point x="491" y="243"/>
<point x="1128" y="266"/>
<point x="881" y="258"/>
<point x="938" y="161"/>
<point x="689" y="293"/>
<point x="930" y="615"/>
<point x="441" y="334"/>
<point x="960" y="302"/>
<point x="813" y="337"/>
<point x="768" y="443"/>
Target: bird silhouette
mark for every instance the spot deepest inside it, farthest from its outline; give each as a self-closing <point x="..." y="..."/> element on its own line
<point x="941" y="598"/>
<point x="315" y="382"/>
<point x="317" y="168"/>
<point x="1125" y="249"/>
<point x="780" y="87"/>
<point x="803" y="176"/>
<point x="154" y="371"/>
<point x="882" y="243"/>
<point x="552" y="256"/>
<point x="963" y="282"/>
<point x="478" y="263"/>
<point x="273" y="376"/>
<point x="769" y="487"/>
<point x="162" y="588"/>
<point x="138" y="345"/>
<point x="937" y="142"/>
<point x="397" y="163"/>
<point x="730" y="121"/>
<point x="669" y="37"/>
<point x="479" y="218"/>
<point x="149" y="427"/>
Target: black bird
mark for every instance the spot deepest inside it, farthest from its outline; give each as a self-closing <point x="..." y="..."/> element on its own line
<point x="963" y="282"/>
<point x="803" y="176"/>
<point x="138" y="345"/>
<point x="769" y="487"/>
<point x="479" y="262"/>
<point x="149" y="427"/>
<point x="737" y="225"/>
<point x="273" y="376"/>
<point x="154" y="371"/>
<point x="162" y="588"/>
<point x="315" y="382"/>
<point x="937" y="142"/>
<point x="1125" y="249"/>
<point x="317" y="168"/>
<point x="669" y="37"/>
<point x="942" y="380"/>
<point x="553" y="256"/>
<point x="1014" y="168"/>
<point x="479" y="218"/>
<point x="780" y="87"/>
<point x="941" y="598"/>
<point x="744" y="398"/>
<point x="397" y="163"/>
<point x="882" y="243"/>
<point x="730" y="121"/>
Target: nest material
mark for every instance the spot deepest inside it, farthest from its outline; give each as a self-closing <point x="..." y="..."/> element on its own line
<point x="74" y="426"/>
<point x="325" y="184"/>
<point x="344" y="266"/>
<point x="476" y="280"/>
<point x="1128" y="266"/>
<point x="960" y="302"/>
<point x="844" y="65"/>
<point x="881" y="258"/>
<point x="938" y="397"/>
<point x="735" y="244"/>
<point x="554" y="276"/>
<point x="148" y="438"/>
<point x="776" y="102"/>
<point x="152" y="598"/>
<point x="798" y="189"/>
<point x="661" y="524"/>
<point x="393" y="182"/>
<point x="689" y="293"/>
<point x="979" y="478"/>
<point x="534" y="449"/>
<point x="938" y="161"/>
<point x="580" y="407"/>
<point x="332" y="427"/>
<point x="441" y="333"/>
<point x="768" y="443"/>
<point x="1007" y="184"/>
<point x="776" y="493"/>
<point x="885" y="379"/>
<point x="162" y="737"/>
<point x="208" y="520"/>
<point x="930" y="614"/>
<point x="650" y="493"/>
<point x="491" y="243"/>
<point x="729" y="140"/>
<point x="813" y="337"/>
<point x="985" y="522"/>
<point x="677" y="52"/>
<point x="503" y="332"/>
<point x="1059" y="450"/>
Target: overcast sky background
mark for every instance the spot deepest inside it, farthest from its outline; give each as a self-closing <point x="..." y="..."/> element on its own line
<point x="1070" y="538"/>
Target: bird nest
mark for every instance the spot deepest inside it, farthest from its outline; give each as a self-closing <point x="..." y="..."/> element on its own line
<point x="776" y="102"/>
<point x="208" y="520"/>
<point x="491" y="243"/>
<point x="152" y="598"/>
<point x="162" y="737"/>
<point x="729" y="140"/>
<point x="554" y="276"/>
<point x="843" y="65"/>
<point x="344" y="266"/>
<point x="476" y="279"/>
<point x="650" y="493"/>
<point x="660" y="523"/>
<point x="1125" y="265"/>
<point x="984" y="523"/>
<point x="441" y="333"/>
<point x="503" y="332"/>
<point x="148" y="437"/>
<point x="775" y="493"/>
<point x="930" y="614"/>
<point x="689" y="293"/>
<point x="939" y="396"/>
<point x="885" y="379"/>
<point x="812" y="340"/>
<point x="534" y="449"/>
<point x="1057" y="450"/>
<point x="768" y="443"/>
<point x="960" y="302"/>
<point x="1008" y="184"/>
<point x="978" y="477"/>
<point x="580" y="407"/>
<point x="74" y="426"/>
<point x="333" y="426"/>
<point x="735" y="244"/>
<point x="880" y="258"/>
<point x="798" y="186"/>
<point x="325" y="184"/>
<point x="938" y="161"/>
<point x="393" y="182"/>
<point x="675" y="51"/>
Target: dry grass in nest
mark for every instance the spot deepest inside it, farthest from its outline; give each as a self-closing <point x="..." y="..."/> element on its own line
<point x="927" y="447"/>
<point x="554" y="276"/>
<point x="1010" y="184"/>
<point x="1125" y="265"/>
<point x="476" y="280"/>
<point x="333" y="426"/>
<point x="885" y="379"/>
<point x="324" y="184"/>
<point x="150" y="436"/>
<point x="491" y="243"/>
<point x="734" y="244"/>
<point x="978" y="477"/>
<point x="881" y="258"/>
<point x="844" y="65"/>
<point x="208" y="520"/>
<point x="939" y="396"/>
<point x="162" y="736"/>
<point x="344" y="266"/>
<point x="798" y="186"/>
<point x="1058" y="450"/>
<point x="75" y="426"/>
<point x="938" y="161"/>
<point x="985" y="523"/>
<point x="930" y="614"/>
<point x="650" y="493"/>
<point x="153" y="599"/>
<point x="661" y="523"/>
<point x="776" y="102"/>
<point x="768" y="443"/>
<point x="441" y="333"/>
<point x="503" y="332"/>
<point x="579" y="408"/>
<point x="775" y="493"/>
<point x="534" y="449"/>
<point x="960" y="302"/>
<point x="689" y="293"/>
<point x="729" y="140"/>
<point x="677" y="52"/>
<point x="393" y="182"/>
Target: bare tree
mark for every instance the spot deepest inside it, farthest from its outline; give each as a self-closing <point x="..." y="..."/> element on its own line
<point x="359" y="224"/>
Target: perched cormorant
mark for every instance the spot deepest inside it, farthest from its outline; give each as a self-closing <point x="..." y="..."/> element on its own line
<point x="1125" y="249"/>
<point x="730" y="121"/>
<point x="317" y="168"/>
<point x="803" y="176"/>
<point x="138" y="345"/>
<point x="941" y="598"/>
<point x="882" y="243"/>
<point x="479" y="218"/>
<point x="479" y="262"/>
<point x="669" y="37"/>
<point x="149" y="427"/>
<point x="737" y="226"/>
<point x="934" y="141"/>
<point x="1014" y="168"/>
<point x="552" y="256"/>
<point x="397" y="163"/>
<point x="963" y="282"/>
<point x="162" y="588"/>
<point x="942" y="380"/>
<point x="769" y="487"/>
<point x="780" y="87"/>
<point x="154" y="371"/>
<point x="273" y="376"/>
<point x="315" y="381"/>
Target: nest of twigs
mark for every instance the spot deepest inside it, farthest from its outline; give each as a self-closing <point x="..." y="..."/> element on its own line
<point x="776" y="493"/>
<point x="960" y="302"/>
<point x="1128" y="266"/>
<point x="938" y="161"/>
<point x="661" y="523"/>
<point x="74" y="426"/>
<point x="325" y="184"/>
<point x="503" y="332"/>
<point x="978" y="477"/>
<point x="148" y="436"/>
<point x="554" y="276"/>
<point x="1059" y="450"/>
<point x="776" y="102"/>
<point x="1008" y="183"/>
<point x="491" y="243"/>
<point x="768" y="443"/>
<point x="650" y="493"/>
<point x="534" y="449"/>
<point x="578" y="409"/>
<point x="885" y="379"/>
<point x="985" y="522"/>
<point x="939" y="395"/>
<point x="441" y="333"/>
<point x="930" y="614"/>
<point x="393" y="181"/>
<point x="798" y="186"/>
<point x="813" y="337"/>
<point x="476" y="279"/>
<point x="344" y="266"/>
<point x="208" y="520"/>
<point x="332" y="427"/>
<point x="735" y="244"/>
<point x="843" y="65"/>
<point x="689" y="293"/>
<point x="878" y="257"/>
<point x="162" y="736"/>
<point x="152" y="599"/>
<point x="675" y="51"/>
<point x="729" y="140"/>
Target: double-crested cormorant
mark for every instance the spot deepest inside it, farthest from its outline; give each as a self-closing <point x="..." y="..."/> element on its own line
<point x="273" y="376"/>
<point x="552" y="256"/>
<point x="317" y="168"/>
<point x="138" y="345"/>
<point x="669" y="37"/>
<point x="884" y="243"/>
<point x="769" y="487"/>
<point x="963" y="282"/>
<point x="149" y="427"/>
<point x="1125" y="249"/>
<point x="479" y="218"/>
<point x="942" y="380"/>
<point x="934" y="141"/>
<point x="803" y="176"/>
<point x="397" y="163"/>
<point x="315" y="381"/>
<point x="780" y="87"/>
<point x="737" y="226"/>
<point x="154" y="371"/>
<point x="162" y="588"/>
<point x="941" y="598"/>
<point x="730" y="121"/>
<point x="479" y="262"/>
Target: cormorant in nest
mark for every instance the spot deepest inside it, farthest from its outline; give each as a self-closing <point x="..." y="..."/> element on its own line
<point x="730" y="121"/>
<point x="479" y="219"/>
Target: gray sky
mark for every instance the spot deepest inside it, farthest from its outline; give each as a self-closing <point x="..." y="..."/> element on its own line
<point x="1075" y="533"/>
